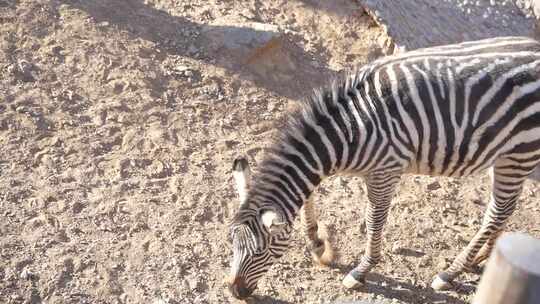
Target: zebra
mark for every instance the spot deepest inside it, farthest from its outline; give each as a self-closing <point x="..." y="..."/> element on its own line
<point x="452" y="110"/>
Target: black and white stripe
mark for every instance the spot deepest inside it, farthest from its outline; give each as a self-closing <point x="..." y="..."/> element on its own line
<point x="450" y="110"/>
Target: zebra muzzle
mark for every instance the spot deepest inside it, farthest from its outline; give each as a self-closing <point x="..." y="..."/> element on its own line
<point x="238" y="289"/>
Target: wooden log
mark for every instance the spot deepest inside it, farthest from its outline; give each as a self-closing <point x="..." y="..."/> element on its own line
<point x="512" y="274"/>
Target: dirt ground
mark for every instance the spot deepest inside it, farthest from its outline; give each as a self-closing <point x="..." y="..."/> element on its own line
<point x="119" y="121"/>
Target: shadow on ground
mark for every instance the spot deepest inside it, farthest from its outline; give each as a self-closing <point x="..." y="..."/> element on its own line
<point x="279" y="65"/>
<point x="409" y="293"/>
<point x="405" y="292"/>
<point x="265" y="300"/>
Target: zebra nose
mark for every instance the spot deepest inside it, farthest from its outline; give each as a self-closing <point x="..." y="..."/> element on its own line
<point x="239" y="290"/>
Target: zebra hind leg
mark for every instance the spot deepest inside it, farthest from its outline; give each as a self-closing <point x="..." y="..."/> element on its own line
<point x="381" y="188"/>
<point x="508" y="181"/>
<point x="485" y="251"/>
<point x="320" y="248"/>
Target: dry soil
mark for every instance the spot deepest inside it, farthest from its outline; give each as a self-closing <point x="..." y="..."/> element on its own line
<point x="119" y="121"/>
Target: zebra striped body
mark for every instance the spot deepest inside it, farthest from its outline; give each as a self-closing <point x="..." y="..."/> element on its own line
<point x="451" y="110"/>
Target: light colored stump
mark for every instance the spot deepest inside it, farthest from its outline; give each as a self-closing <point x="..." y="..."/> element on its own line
<point x="512" y="273"/>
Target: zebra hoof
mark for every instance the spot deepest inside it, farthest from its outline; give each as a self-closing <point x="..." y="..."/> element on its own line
<point x="323" y="255"/>
<point x="440" y="284"/>
<point x="350" y="282"/>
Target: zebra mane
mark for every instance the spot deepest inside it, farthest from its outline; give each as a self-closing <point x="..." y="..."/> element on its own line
<point x="319" y="101"/>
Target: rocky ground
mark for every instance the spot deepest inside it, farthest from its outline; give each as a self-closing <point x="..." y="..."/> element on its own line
<point x="119" y="121"/>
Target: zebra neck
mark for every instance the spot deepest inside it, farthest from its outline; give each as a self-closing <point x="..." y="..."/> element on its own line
<point x="284" y="182"/>
<point x="333" y="132"/>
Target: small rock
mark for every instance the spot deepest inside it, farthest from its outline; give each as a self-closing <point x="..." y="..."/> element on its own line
<point x="229" y="144"/>
<point x="248" y="14"/>
<point x="271" y="107"/>
<point x="363" y="227"/>
<point x="433" y="186"/>
<point x="461" y="238"/>
<point x="189" y="73"/>
<point x="193" y="282"/>
<point x="181" y="68"/>
<point x="474" y="222"/>
<point x="441" y="263"/>
<point x="25" y="69"/>
<point x="26" y="274"/>
<point x="396" y="247"/>
<point x="424" y="261"/>
<point x="157" y="169"/>
<point x="243" y="35"/>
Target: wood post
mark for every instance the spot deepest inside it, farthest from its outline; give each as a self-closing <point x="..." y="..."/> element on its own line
<point x="512" y="273"/>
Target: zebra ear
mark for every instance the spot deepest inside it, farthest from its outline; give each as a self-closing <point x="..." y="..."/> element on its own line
<point x="242" y="175"/>
<point x="272" y="221"/>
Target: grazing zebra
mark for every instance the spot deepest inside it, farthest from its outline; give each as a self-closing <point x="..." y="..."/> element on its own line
<point x="450" y="110"/>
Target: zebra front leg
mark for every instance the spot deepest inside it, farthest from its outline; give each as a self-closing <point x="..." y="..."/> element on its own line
<point x="381" y="187"/>
<point x="321" y="250"/>
<point x="507" y="185"/>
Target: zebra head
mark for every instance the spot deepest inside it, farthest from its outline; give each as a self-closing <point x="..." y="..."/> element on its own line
<point x="259" y="234"/>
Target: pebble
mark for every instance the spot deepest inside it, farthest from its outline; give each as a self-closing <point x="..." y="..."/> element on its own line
<point x="244" y="36"/>
<point x="424" y="261"/>
<point x="396" y="247"/>
<point x="182" y="68"/>
<point x="441" y="263"/>
<point x="26" y="274"/>
<point x="461" y="238"/>
<point x="192" y="282"/>
<point x="434" y="186"/>
<point x="363" y="227"/>
<point x="271" y="107"/>
<point x="248" y="14"/>
<point x="473" y="222"/>
<point x="24" y="67"/>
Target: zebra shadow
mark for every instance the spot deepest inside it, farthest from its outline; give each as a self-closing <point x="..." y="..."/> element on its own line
<point x="405" y="292"/>
<point x="265" y="300"/>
